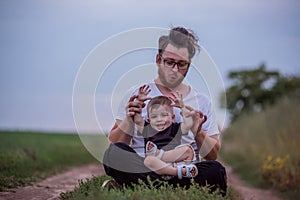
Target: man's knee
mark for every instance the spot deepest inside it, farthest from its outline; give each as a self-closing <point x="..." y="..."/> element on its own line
<point x="213" y="174"/>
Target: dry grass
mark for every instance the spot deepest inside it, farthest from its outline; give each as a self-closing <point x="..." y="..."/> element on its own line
<point x="263" y="146"/>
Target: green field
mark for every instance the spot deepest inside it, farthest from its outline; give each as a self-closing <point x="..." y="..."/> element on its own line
<point x="264" y="147"/>
<point x="30" y="156"/>
<point x="26" y="157"/>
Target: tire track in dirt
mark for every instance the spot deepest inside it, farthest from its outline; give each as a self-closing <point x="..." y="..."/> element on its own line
<point x="50" y="188"/>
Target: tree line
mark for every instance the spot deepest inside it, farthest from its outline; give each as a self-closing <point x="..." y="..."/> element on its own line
<point x="254" y="89"/>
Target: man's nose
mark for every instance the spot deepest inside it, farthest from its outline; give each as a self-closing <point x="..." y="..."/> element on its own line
<point x="175" y="67"/>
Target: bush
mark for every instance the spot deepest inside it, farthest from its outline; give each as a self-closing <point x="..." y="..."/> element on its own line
<point x="277" y="172"/>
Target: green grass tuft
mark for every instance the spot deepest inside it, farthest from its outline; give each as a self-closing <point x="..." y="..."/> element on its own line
<point x="91" y="190"/>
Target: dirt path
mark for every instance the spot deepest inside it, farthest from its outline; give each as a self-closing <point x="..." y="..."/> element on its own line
<point x="50" y="188"/>
<point x="247" y="192"/>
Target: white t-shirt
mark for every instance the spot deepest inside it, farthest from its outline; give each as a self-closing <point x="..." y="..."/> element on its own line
<point x="194" y="99"/>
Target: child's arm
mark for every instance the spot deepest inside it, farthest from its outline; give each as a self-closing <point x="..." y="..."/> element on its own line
<point x="187" y="122"/>
<point x="141" y="97"/>
<point x="198" y="120"/>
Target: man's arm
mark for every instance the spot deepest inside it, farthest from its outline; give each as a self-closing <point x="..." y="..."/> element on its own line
<point x="120" y="132"/>
<point x="208" y="146"/>
<point x="123" y="130"/>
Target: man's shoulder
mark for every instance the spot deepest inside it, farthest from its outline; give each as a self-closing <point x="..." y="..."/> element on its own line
<point x="200" y="96"/>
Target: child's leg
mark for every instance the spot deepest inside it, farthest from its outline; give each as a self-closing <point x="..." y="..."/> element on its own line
<point x="179" y="154"/>
<point x="162" y="168"/>
<point x="159" y="166"/>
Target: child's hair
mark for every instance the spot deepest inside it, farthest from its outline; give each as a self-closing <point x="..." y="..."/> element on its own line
<point x="159" y="101"/>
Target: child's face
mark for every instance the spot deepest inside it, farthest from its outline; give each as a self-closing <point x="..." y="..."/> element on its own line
<point x="161" y="117"/>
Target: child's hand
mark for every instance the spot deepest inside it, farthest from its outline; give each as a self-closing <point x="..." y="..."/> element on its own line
<point x="177" y="99"/>
<point x="143" y="92"/>
<point x="198" y="119"/>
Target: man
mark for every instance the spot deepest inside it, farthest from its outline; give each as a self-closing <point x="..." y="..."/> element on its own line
<point x="125" y="163"/>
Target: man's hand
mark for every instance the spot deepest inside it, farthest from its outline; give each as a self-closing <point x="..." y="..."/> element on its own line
<point x="123" y="130"/>
<point x="133" y="107"/>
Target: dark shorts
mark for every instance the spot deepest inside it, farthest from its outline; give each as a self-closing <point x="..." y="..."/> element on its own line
<point x="123" y="164"/>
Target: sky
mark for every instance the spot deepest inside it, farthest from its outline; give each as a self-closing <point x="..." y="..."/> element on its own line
<point x="44" y="44"/>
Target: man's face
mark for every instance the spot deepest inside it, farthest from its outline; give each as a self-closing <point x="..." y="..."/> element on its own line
<point x="171" y="77"/>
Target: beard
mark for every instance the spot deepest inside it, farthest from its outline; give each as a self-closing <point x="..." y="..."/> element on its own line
<point x="170" y="80"/>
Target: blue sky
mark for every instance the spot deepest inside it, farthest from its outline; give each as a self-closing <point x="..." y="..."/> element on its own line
<point x="44" y="43"/>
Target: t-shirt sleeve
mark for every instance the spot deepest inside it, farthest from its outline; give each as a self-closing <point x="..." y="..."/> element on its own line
<point x="210" y="127"/>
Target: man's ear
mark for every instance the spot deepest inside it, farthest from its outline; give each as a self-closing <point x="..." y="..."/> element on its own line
<point x="173" y="117"/>
<point x="158" y="59"/>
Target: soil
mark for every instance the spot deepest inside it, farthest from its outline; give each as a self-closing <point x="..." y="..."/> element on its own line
<point x="50" y="188"/>
<point x="246" y="191"/>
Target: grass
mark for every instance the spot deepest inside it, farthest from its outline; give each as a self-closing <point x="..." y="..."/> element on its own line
<point x="91" y="190"/>
<point x="263" y="147"/>
<point x="26" y="157"/>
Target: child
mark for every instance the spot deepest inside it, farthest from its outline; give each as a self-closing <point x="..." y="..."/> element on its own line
<point x="163" y="155"/>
